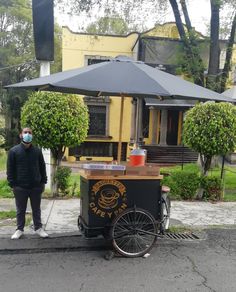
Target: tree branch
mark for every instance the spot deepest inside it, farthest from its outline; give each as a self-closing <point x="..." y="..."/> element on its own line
<point x="195" y="63"/>
<point x="228" y="57"/>
<point x="178" y="20"/>
<point x="186" y="15"/>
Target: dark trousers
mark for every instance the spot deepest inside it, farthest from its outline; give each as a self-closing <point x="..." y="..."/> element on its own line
<point x="21" y="199"/>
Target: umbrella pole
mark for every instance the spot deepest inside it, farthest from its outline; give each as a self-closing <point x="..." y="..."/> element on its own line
<point x="120" y="130"/>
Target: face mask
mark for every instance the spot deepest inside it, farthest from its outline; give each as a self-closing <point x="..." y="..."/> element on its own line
<point x="27" y="138"/>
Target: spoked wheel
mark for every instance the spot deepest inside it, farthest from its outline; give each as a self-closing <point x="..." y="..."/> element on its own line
<point x="165" y="223"/>
<point x="133" y="232"/>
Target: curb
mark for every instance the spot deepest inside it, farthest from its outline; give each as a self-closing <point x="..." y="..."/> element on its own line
<point x="30" y="244"/>
<point x="54" y="243"/>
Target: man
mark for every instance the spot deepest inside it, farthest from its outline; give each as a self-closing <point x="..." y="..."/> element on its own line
<point x="26" y="175"/>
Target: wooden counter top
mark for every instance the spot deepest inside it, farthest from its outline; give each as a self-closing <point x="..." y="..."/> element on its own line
<point x="121" y="177"/>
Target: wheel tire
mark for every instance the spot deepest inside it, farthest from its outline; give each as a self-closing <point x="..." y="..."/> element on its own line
<point x="133" y="232"/>
<point x="165" y="205"/>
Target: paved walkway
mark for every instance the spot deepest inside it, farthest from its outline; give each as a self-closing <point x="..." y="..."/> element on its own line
<point x="60" y="216"/>
<point x="204" y="213"/>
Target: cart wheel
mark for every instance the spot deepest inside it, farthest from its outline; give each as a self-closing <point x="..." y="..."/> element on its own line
<point x="165" y="223"/>
<point x="134" y="232"/>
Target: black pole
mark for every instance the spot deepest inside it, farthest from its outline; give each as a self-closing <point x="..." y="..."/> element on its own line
<point x="182" y="157"/>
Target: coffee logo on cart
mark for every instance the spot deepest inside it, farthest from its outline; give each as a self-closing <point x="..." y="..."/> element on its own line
<point x="108" y="197"/>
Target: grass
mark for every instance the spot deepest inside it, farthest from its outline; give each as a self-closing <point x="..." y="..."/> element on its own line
<point x="230" y="175"/>
<point x="3" y="161"/>
<point x="73" y="190"/>
<point x="12" y="215"/>
<point x="7" y="214"/>
<point x="180" y="229"/>
<point x="229" y="182"/>
<point x="229" y="197"/>
<point x="75" y="184"/>
<point x="5" y="190"/>
<point x="191" y="167"/>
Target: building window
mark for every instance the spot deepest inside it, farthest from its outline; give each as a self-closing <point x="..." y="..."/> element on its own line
<point x="97" y="120"/>
<point x="90" y="59"/>
<point x="98" y="108"/>
<point x="96" y="61"/>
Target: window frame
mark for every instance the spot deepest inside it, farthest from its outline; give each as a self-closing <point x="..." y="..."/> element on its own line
<point x="100" y="101"/>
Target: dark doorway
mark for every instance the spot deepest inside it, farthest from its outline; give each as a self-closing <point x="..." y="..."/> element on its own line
<point x="172" y="127"/>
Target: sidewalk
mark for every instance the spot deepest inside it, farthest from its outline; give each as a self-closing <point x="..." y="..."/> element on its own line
<point x="61" y="215"/>
<point x="58" y="216"/>
<point x="60" y="221"/>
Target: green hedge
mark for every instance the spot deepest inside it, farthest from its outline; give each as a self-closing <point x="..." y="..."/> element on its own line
<point x="213" y="188"/>
<point x="183" y="185"/>
<point x="62" y="177"/>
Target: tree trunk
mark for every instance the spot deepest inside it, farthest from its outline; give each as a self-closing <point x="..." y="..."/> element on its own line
<point x="228" y="57"/>
<point x="186" y="15"/>
<point x="205" y="163"/>
<point x="205" y="166"/>
<point x="57" y="155"/>
<point x="190" y="45"/>
<point x="54" y="186"/>
<point x="213" y="67"/>
<point x="178" y="20"/>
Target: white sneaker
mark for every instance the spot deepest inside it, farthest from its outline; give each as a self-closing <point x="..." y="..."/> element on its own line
<point x="18" y="233"/>
<point x="41" y="233"/>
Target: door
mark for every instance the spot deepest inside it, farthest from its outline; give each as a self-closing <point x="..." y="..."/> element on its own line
<point x="172" y="127"/>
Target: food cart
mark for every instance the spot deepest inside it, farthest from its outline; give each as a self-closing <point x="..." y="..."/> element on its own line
<point x="126" y="206"/>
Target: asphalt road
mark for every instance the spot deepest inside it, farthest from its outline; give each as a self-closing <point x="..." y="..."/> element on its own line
<point x="203" y="265"/>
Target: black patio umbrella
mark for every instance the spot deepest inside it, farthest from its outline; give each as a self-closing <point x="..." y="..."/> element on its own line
<point x="121" y="76"/>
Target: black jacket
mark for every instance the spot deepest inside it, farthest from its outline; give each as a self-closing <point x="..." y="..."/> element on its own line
<point x="26" y="167"/>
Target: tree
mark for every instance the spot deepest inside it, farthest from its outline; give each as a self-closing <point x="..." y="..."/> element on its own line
<point x="194" y="65"/>
<point x="58" y="121"/>
<point x="17" y="60"/>
<point x="213" y="80"/>
<point x="193" y="60"/>
<point x="108" y="25"/>
<point x="225" y="73"/>
<point x="210" y="129"/>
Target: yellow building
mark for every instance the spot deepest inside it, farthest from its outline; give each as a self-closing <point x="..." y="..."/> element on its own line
<point x="160" y="124"/>
<point x="78" y="50"/>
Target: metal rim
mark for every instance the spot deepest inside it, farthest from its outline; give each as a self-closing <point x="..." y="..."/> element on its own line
<point x="133" y="232"/>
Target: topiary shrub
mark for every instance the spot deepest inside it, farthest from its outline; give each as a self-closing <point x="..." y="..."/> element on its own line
<point x="210" y="129"/>
<point x="58" y="121"/>
<point x="213" y="188"/>
<point x="183" y="185"/>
